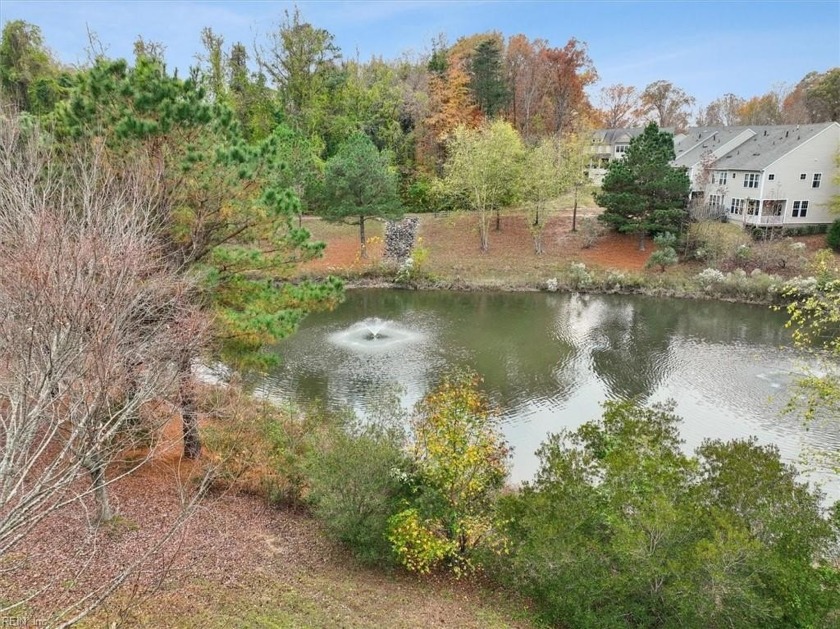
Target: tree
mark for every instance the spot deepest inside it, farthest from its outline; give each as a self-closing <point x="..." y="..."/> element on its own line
<point x="359" y="184"/>
<point x="666" y="105"/>
<point x="721" y="112"/>
<point x="569" y="71"/>
<point x="484" y="168"/>
<point x="93" y="318"/>
<point x="761" y="110"/>
<point x="822" y="98"/>
<point x="450" y="106"/>
<point x="551" y="168"/>
<point x="816" y="98"/>
<point x="461" y="464"/>
<point x="621" y="528"/>
<point x="29" y="76"/>
<point x="618" y="104"/>
<point x="528" y="81"/>
<point x="225" y="214"/>
<point x="299" y="58"/>
<point x="643" y="193"/>
<point x="487" y="81"/>
<point x="813" y="317"/>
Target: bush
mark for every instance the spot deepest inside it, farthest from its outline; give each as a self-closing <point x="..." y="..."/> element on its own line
<point x="665" y="254"/>
<point x="719" y="242"/>
<point x="832" y="238"/>
<point x="620" y="528"/>
<point x="591" y="230"/>
<point x="461" y="465"/>
<point x="357" y="481"/>
<point x="256" y="447"/>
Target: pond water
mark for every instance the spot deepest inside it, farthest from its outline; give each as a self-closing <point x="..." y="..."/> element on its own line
<point x="549" y="360"/>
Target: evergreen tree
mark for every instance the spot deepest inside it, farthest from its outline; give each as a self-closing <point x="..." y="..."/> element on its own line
<point x="643" y="193"/>
<point x="228" y="213"/>
<point x="488" y="85"/>
<point x="359" y="184"/>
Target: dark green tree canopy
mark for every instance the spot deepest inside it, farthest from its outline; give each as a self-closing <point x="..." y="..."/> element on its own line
<point x="643" y="193"/>
<point x="359" y="183"/>
<point x="487" y="82"/>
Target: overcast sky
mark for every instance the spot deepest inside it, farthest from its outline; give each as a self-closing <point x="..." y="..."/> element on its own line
<point x="707" y="48"/>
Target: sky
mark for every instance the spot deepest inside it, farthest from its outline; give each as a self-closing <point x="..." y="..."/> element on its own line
<point x="706" y="48"/>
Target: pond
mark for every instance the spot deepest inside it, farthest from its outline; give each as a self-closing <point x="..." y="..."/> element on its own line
<point x="549" y="360"/>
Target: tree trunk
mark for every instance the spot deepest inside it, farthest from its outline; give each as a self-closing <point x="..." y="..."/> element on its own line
<point x="96" y="469"/>
<point x="538" y="243"/>
<point x="189" y="415"/>
<point x="642" y="240"/>
<point x="498" y="220"/>
<point x="363" y="244"/>
<point x="574" y="212"/>
<point x="482" y="231"/>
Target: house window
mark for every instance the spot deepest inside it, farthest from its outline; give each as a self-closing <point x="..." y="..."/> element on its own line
<point x="800" y="209"/>
<point x="803" y="176"/>
<point x="737" y="206"/>
<point x="771" y="177"/>
<point x="715" y="201"/>
<point x="751" y="180"/>
<point x="817" y="179"/>
<point x="752" y="207"/>
<point x="620" y="148"/>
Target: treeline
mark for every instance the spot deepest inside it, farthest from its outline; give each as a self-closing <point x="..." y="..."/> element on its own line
<point x="297" y="76"/>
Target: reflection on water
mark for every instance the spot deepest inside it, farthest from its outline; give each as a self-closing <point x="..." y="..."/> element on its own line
<point x="549" y="360"/>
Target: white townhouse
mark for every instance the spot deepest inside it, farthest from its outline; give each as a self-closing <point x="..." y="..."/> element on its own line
<point x="757" y="175"/>
<point x="781" y="175"/>
<point x="608" y="145"/>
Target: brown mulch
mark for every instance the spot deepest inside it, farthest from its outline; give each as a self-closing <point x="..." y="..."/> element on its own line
<point x="453" y="247"/>
<point x="236" y="558"/>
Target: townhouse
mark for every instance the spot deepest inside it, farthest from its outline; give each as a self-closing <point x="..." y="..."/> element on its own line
<point x="760" y="175"/>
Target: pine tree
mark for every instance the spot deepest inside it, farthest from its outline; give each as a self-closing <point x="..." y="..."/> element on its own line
<point x="643" y="193"/>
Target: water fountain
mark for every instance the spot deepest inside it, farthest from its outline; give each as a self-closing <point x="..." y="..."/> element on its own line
<point x="373" y="335"/>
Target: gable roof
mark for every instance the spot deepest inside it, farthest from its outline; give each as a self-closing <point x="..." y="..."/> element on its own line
<point x="768" y="145"/>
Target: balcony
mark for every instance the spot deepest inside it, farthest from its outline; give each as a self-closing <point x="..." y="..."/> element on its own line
<point x="764" y="220"/>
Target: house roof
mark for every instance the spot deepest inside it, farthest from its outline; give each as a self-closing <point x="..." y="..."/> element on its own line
<point x="618" y="136"/>
<point x="752" y="147"/>
<point x="767" y="145"/>
<point x="698" y="141"/>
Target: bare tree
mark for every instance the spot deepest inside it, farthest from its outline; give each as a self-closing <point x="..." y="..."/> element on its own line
<point x="92" y="322"/>
<point x="618" y="104"/>
<point x="723" y="111"/>
<point x="666" y="105"/>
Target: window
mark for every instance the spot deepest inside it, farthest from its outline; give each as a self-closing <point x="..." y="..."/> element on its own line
<point x="737" y="206"/>
<point x="751" y="180"/>
<point x="752" y="207"/>
<point x="803" y="176"/>
<point x="817" y="179"/>
<point x="620" y="148"/>
<point x="718" y="177"/>
<point x="771" y="177"/>
<point x="715" y="201"/>
<point x="800" y="209"/>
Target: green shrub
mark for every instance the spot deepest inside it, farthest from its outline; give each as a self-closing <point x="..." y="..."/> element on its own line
<point x="665" y="254"/>
<point x="620" y="528"/>
<point x="832" y="238"/>
<point x="257" y="448"/>
<point x="718" y="242"/>
<point x="356" y="476"/>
